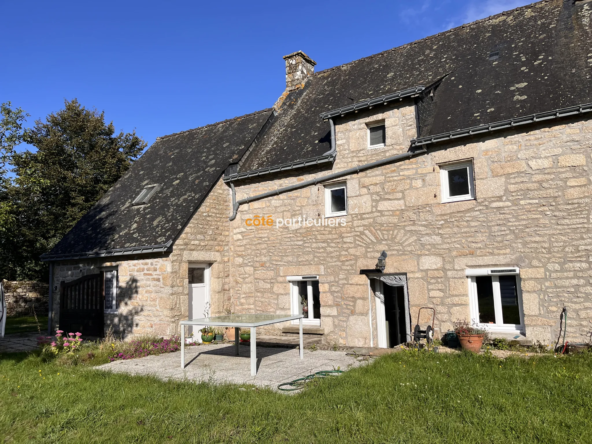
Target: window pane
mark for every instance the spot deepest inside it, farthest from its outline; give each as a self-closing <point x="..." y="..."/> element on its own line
<point x="316" y="299"/>
<point x="377" y="135"/>
<point x="338" y="200"/>
<point x="485" y="300"/>
<point x="458" y="182"/>
<point x="302" y="298"/>
<point x="509" y="296"/>
<point x="196" y="275"/>
<point x="110" y="290"/>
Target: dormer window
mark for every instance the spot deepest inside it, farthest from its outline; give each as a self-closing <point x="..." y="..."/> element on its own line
<point x="376" y="135"/>
<point x="146" y="194"/>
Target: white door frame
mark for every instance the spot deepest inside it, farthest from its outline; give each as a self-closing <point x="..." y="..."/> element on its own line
<point x="207" y="274"/>
<point x="380" y="310"/>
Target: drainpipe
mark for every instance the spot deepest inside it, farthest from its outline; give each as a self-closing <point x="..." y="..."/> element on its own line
<point x="370" y="313"/>
<point x="333" y="143"/>
<point x="50" y="311"/>
<point x="347" y="172"/>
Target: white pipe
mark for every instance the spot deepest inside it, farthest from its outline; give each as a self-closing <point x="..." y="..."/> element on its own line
<point x="370" y="313"/>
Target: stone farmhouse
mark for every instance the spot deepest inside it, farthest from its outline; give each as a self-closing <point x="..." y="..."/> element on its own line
<point x="465" y="157"/>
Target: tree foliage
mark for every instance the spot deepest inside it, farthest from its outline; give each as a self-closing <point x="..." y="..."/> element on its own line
<point x="78" y="158"/>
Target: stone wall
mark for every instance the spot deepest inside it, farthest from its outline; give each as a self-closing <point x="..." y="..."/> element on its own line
<point x="152" y="292"/>
<point x="532" y="210"/>
<point x="22" y="297"/>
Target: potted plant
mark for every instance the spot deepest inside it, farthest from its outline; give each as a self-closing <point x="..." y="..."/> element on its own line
<point x="470" y="337"/>
<point x="219" y="334"/>
<point x="245" y="334"/>
<point x="207" y="335"/>
<point x="229" y="331"/>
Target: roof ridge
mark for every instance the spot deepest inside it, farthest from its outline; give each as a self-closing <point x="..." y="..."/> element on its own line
<point x="217" y="123"/>
<point x="414" y="42"/>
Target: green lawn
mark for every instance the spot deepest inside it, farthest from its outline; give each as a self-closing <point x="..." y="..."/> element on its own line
<point x="400" y="398"/>
<point x="25" y="324"/>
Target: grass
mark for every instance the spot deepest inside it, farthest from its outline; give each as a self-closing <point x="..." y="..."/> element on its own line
<point x="400" y="398"/>
<point x="25" y="324"/>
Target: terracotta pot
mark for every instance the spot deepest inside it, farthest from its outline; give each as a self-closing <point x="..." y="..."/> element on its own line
<point x="230" y="336"/>
<point x="471" y="343"/>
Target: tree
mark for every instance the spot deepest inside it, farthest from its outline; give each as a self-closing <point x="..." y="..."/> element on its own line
<point x="12" y="132"/>
<point x="78" y="159"/>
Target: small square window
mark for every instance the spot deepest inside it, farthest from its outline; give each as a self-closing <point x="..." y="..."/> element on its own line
<point x="376" y="135"/>
<point x="197" y="275"/>
<point x="146" y="194"/>
<point x="456" y="182"/>
<point x="335" y="200"/>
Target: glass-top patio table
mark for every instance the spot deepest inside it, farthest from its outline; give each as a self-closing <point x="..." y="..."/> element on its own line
<point x="237" y="321"/>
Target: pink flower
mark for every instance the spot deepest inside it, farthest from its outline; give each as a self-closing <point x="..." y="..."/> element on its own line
<point x="66" y="344"/>
<point x="78" y="334"/>
<point x="53" y="344"/>
<point x="60" y="331"/>
<point x="70" y="334"/>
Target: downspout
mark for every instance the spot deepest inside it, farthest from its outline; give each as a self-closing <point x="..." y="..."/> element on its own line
<point x="347" y="172"/>
<point x="370" y="313"/>
<point x="50" y="311"/>
<point x="333" y="143"/>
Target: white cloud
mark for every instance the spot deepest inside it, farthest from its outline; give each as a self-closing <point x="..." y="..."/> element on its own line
<point x="478" y="9"/>
<point x="409" y="15"/>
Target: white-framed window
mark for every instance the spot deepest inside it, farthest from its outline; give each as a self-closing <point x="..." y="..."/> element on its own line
<point x="305" y="298"/>
<point x="376" y="134"/>
<point x="110" y="288"/>
<point x="456" y="181"/>
<point x="146" y="194"/>
<point x="496" y="299"/>
<point x="336" y="200"/>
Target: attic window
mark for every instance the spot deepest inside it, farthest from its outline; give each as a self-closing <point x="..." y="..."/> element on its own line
<point x="494" y="55"/>
<point x="145" y="195"/>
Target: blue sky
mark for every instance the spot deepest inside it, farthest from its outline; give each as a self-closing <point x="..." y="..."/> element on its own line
<point x="164" y="67"/>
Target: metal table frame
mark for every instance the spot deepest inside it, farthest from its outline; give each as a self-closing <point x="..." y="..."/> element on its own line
<point x="226" y="321"/>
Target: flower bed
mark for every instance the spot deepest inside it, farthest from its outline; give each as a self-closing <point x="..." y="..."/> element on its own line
<point x="140" y="348"/>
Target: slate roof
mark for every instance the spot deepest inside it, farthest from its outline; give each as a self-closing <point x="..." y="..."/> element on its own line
<point x="186" y="165"/>
<point x="532" y="59"/>
<point x="522" y="62"/>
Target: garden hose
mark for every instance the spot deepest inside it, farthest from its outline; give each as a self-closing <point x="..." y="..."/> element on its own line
<point x="562" y="326"/>
<point x="297" y="384"/>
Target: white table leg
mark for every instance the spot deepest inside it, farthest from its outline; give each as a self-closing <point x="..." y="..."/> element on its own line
<point x="236" y="339"/>
<point x="301" y="340"/>
<point x="253" y="351"/>
<point x="182" y="346"/>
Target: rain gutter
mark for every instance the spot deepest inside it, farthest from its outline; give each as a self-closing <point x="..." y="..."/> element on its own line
<point x="347" y="172"/>
<point x="504" y="124"/>
<point x="161" y="248"/>
<point x="382" y="100"/>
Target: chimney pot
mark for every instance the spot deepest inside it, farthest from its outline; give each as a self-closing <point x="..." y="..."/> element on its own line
<point x="299" y="67"/>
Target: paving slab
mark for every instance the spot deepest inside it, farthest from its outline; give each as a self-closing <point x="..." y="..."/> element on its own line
<point x="218" y="364"/>
<point x="21" y="342"/>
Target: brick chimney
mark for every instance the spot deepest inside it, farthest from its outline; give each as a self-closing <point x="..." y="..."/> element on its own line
<point x="299" y="67"/>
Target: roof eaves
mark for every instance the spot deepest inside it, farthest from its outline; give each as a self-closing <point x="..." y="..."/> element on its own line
<point x="399" y="95"/>
<point x="504" y="124"/>
<point x="162" y="248"/>
<point x="325" y="158"/>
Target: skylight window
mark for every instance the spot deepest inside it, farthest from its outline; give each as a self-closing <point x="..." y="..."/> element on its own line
<point x="146" y="194"/>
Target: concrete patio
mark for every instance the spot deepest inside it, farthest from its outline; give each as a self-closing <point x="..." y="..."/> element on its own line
<point x="219" y="364"/>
